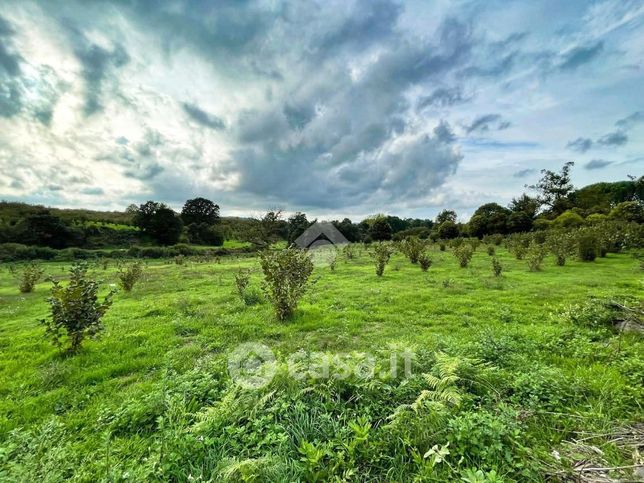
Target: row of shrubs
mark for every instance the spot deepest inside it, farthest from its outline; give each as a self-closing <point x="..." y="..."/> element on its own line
<point x="14" y="252"/>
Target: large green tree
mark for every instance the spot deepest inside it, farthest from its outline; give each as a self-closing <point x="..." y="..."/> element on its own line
<point x="200" y="210"/>
<point x="554" y="188"/>
<point x="489" y="219"/>
<point x="159" y="222"/>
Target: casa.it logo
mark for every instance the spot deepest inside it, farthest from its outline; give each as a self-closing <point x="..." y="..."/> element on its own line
<point x="323" y="240"/>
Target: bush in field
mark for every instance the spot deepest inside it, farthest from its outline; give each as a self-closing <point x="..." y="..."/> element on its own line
<point x="286" y="273"/>
<point x="628" y="211"/>
<point x="475" y="243"/>
<point x="381" y="253"/>
<point x="497" y="268"/>
<point x="28" y="276"/>
<point x="76" y="312"/>
<point x="349" y="251"/>
<point x="534" y="256"/>
<point x="425" y="261"/>
<point x="247" y="294"/>
<point x="596" y="218"/>
<point x="442" y="246"/>
<point x="130" y="275"/>
<point x="496" y="239"/>
<point x="568" y="219"/>
<point x="561" y="245"/>
<point x="587" y="246"/>
<point x="518" y="246"/>
<point x="412" y="247"/>
<point x="491" y="250"/>
<point x="464" y="254"/>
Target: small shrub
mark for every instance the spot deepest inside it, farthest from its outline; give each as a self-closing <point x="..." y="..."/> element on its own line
<point x="130" y="275"/>
<point x="497" y="268"/>
<point x="76" y="312"/>
<point x="491" y="250"/>
<point x="561" y="245"/>
<point x="412" y="247"/>
<point x="464" y="254"/>
<point x="381" y="253"/>
<point x="534" y="256"/>
<point x="28" y="276"/>
<point x="349" y="251"/>
<point x="587" y="247"/>
<point x="242" y="279"/>
<point x="495" y="239"/>
<point x="442" y="246"/>
<point x="593" y="313"/>
<point x="518" y="245"/>
<point x="425" y="261"/>
<point x="286" y="274"/>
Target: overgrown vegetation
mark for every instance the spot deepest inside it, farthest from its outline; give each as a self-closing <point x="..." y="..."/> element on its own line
<point x="498" y="384"/>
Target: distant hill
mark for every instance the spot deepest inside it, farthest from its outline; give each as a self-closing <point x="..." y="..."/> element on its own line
<point x="11" y="212"/>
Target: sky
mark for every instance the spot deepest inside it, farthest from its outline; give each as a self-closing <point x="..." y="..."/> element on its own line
<point x="334" y="108"/>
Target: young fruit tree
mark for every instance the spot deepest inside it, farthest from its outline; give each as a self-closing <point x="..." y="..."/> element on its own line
<point x="76" y="312"/>
<point x="286" y="276"/>
<point x="381" y="253"/>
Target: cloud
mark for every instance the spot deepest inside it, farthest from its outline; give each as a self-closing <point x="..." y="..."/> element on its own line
<point x="202" y="117"/>
<point x="581" y="145"/>
<point x="485" y="122"/>
<point x="581" y="55"/>
<point x="443" y="97"/>
<point x="344" y="104"/>
<point x="524" y="173"/>
<point x="630" y="121"/>
<point x="597" y="164"/>
<point x="95" y="191"/>
<point x="11" y="91"/>
<point x="444" y="132"/>
<point x="616" y="138"/>
<point x="99" y="63"/>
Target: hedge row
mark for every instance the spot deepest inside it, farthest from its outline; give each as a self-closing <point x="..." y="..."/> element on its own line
<point x="13" y="252"/>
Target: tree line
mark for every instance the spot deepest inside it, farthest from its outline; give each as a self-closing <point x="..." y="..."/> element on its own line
<point x="554" y="202"/>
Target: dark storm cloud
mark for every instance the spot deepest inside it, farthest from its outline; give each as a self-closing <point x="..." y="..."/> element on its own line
<point x="524" y="173"/>
<point x="597" y="164"/>
<point x="616" y="138"/>
<point x="342" y="155"/>
<point x="581" y="145"/>
<point x="581" y="55"/>
<point x="98" y="65"/>
<point x="443" y="97"/>
<point x="202" y="117"/>
<point x="486" y="122"/>
<point x="10" y="72"/>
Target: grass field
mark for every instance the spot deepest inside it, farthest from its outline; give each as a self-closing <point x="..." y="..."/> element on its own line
<point x="151" y="399"/>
